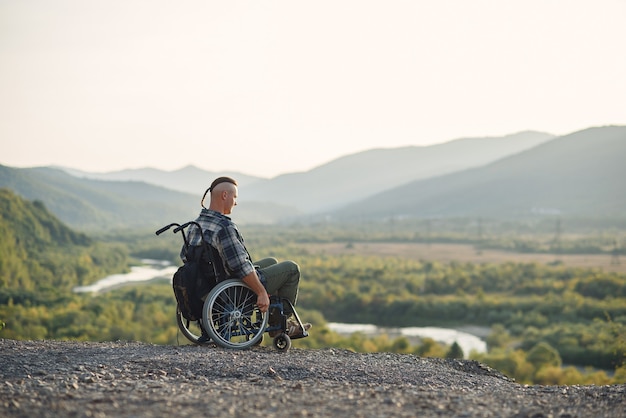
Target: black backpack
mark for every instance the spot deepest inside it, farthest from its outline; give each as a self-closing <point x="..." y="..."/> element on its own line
<point x="194" y="279"/>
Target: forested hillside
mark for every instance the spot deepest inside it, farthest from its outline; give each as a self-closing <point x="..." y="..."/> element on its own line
<point x="39" y="252"/>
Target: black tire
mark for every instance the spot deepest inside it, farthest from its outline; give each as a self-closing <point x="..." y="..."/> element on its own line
<point x="231" y="317"/>
<point x="191" y="329"/>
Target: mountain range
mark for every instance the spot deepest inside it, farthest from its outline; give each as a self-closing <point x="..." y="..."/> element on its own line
<point x="345" y="179"/>
<point x="524" y="174"/>
<point x="581" y="175"/>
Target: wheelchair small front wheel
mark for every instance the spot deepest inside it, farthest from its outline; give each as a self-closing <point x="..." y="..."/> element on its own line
<point x="282" y="342"/>
<point x="231" y="317"/>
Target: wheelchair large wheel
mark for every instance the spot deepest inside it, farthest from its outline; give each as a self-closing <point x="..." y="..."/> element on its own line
<point x="191" y="329"/>
<point x="231" y="317"/>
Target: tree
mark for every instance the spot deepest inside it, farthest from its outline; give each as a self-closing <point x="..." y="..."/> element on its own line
<point x="499" y="337"/>
<point x="429" y="348"/>
<point x="543" y="354"/>
<point x="455" y="351"/>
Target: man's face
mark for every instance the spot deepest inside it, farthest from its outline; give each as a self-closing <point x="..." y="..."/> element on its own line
<point x="231" y="201"/>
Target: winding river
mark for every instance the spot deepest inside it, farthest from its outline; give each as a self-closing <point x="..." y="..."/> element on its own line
<point x="149" y="270"/>
<point x="469" y="338"/>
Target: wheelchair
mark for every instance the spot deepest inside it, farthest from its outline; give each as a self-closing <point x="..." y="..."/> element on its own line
<point x="230" y="317"/>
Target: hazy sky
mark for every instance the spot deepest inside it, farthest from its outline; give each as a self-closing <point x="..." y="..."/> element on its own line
<point x="269" y="87"/>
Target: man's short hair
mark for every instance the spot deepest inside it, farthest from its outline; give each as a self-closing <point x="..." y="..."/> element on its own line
<point x="221" y="180"/>
<point x="217" y="181"/>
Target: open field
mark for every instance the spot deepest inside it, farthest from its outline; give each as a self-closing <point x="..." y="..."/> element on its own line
<point x="467" y="253"/>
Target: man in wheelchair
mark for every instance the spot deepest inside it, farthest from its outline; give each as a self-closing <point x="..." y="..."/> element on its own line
<point x="264" y="277"/>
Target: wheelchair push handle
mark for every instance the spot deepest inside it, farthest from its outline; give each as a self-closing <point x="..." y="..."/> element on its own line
<point x="165" y="228"/>
<point x="186" y="224"/>
<point x="182" y="227"/>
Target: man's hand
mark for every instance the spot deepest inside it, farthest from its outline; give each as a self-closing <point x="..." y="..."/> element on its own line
<point x="263" y="302"/>
<point x="262" y="299"/>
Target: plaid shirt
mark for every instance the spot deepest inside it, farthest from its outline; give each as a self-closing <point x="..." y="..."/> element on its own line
<point x="221" y="233"/>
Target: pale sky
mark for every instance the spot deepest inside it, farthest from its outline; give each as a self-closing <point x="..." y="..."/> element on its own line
<point x="272" y="87"/>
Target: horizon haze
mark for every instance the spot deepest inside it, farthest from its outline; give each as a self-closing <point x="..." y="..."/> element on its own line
<point x="281" y="87"/>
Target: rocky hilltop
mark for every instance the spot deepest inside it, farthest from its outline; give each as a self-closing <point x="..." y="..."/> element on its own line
<point x="130" y="379"/>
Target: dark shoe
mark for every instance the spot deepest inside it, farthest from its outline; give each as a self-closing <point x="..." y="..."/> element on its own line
<point x="204" y="339"/>
<point x="294" y="328"/>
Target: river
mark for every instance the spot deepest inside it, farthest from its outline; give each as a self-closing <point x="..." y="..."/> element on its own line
<point x="149" y="270"/>
<point x="469" y="338"/>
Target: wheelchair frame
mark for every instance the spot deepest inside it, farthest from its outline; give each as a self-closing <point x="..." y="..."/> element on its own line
<point x="230" y="317"/>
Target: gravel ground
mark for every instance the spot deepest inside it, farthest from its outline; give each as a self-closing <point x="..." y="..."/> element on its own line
<point x="130" y="379"/>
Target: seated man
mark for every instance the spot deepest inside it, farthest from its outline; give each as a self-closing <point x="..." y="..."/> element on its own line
<point x="281" y="279"/>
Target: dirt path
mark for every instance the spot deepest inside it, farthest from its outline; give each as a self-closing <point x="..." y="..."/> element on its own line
<point x="128" y="379"/>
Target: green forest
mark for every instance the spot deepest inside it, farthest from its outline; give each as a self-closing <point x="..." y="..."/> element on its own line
<point x="550" y="324"/>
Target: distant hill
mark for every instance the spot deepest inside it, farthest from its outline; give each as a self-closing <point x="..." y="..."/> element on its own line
<point x="364" y="174"/>
<point x="89" y="204"/>
<point x="95" y="204"/>
<point x="189" y="179"/>
<point x="345" y="179"/>
<point x="578" y="175"/>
